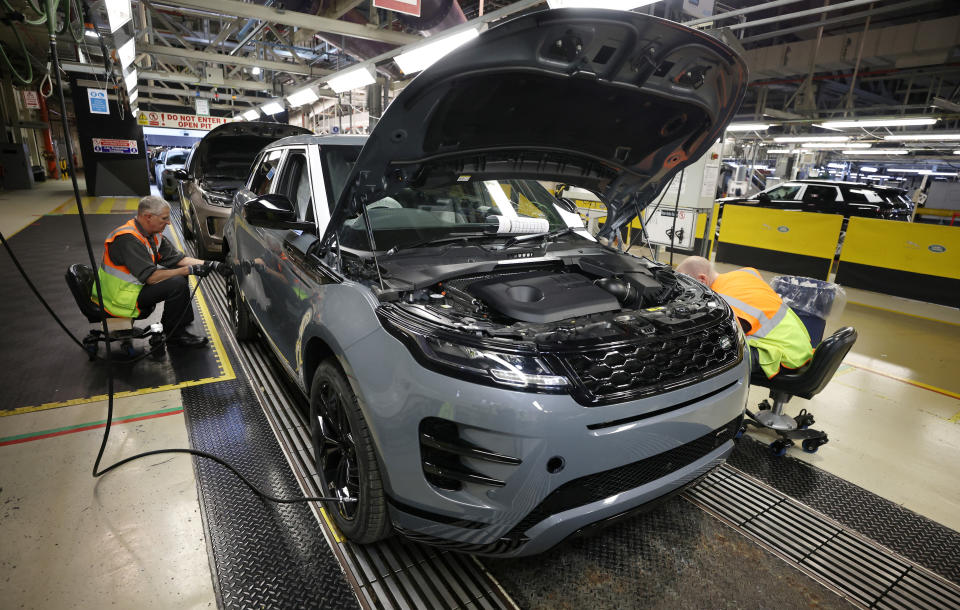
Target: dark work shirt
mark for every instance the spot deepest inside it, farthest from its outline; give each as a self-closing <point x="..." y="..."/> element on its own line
<point x="128" y="251"/>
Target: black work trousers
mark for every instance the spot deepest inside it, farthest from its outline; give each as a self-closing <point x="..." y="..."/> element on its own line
<point x="174" y="292"/>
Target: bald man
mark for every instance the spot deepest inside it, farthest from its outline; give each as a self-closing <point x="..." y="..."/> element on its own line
<point x="776" y="336"/>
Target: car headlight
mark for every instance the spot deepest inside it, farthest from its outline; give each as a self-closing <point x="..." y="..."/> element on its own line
<point x="459" y="357"/>
<point x="217" y="199"/>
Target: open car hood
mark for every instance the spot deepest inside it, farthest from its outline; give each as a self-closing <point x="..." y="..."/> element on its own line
<point x="236" y="144"/>
<point x="615" y="102"/>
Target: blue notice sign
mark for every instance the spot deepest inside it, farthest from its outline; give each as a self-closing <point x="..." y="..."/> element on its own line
<point x="98" y="101"/>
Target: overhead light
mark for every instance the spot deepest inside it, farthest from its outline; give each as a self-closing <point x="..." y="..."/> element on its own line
<point x="916" y="137"/>
<point x="879" y="123"/>
<point x="91" y="34"/>
<point x="352" y="79"/>
<point x="837" y="165"/>
<point x="956" y="152"/>
<point x="130" y="80"/>
<point x="118" y="13"/>
<point x="251" y="115"/>
<point x="811" y="138"/>
<point x="126" y="52"/>
<point x="869" y="170"/>
<point x="837" y="146"/>
<point x="255" y="70"/>
<point x="620" y="5"/>
<point x="878" y="151"/>
<point x="898" y="170"/>
<point x="134" y="111"/>
<point x="748" y="127"/>
<point x="303" y="97"/>
<point x="780" y="151"/>
<point x="133" y="97"/>
<point x="271" y="108"/>
<point x="420" y="58"/>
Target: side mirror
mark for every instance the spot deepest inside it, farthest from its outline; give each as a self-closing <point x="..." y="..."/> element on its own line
<point x="181" y="175"/>
<point x="273" y="212"/>
<point x="765" y="198"/>
<point x="567" y="205"/>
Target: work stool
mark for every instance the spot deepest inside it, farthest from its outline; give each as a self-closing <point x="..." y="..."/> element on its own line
<point x="805" y="382"/>
<point x="80" y="280"/>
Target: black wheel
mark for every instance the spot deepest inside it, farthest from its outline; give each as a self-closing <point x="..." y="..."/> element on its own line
<point x="740" y="431"/>
<point x="778" y="448"/>
<point x="240" y="322"/>
<point x="804" y="420"/>
<point x="345" y="457"/>
<point x="812" y="444"/>
<point x="765" y="405"/>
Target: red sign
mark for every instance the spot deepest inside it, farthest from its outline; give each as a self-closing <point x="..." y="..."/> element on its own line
<point x="410" y="7"/>
<point x="179" y="121"/>
<point x="31" y="99"/>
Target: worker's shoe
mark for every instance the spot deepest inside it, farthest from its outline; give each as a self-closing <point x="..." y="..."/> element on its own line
<point x="187" y="339"/>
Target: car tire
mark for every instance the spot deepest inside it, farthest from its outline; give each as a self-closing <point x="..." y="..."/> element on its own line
<point x="241" y="322"/>
<point x="345" y="457"/>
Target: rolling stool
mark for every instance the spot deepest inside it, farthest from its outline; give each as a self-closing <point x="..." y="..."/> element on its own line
<point x="805" y="382"/>
<point x="80" y="280"/>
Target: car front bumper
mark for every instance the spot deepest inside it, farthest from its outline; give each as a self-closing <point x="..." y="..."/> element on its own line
<point x="211" y="220"/>
<point x="577" y="465"/>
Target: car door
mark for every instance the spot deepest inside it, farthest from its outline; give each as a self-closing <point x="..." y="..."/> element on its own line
<point x="252" y="242"/>
<point x="782" y="197"/>
<point x="821" y="198"/>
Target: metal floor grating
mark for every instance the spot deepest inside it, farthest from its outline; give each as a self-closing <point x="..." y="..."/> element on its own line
<point x="857" y="568"/>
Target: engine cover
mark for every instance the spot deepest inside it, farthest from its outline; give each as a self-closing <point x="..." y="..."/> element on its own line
<point x="543" y="297"/>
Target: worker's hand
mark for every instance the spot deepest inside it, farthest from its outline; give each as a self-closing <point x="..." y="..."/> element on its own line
<point x="200" y="270"/>
<point x="222" y="268"/>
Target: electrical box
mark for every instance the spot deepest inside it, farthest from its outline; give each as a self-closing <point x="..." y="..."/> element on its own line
<point x="213" y="75"/>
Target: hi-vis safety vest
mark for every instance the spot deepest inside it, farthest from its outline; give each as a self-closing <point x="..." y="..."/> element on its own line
<point x="121" y="288"/>
<point x="775" y="331"/>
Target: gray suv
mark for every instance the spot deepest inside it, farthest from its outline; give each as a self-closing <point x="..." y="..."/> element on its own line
<point x="482" y="373"/>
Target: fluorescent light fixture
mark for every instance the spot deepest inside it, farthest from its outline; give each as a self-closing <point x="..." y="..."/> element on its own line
<point x="251" y="115"/>
<point x="420" y="58"/>
<point x="135" y="111"/>
<point x="878" y="123"/>
<point x="869" y="170"/>
<point x="811" y="138"/>
<point x="271" y="108"/>
<point x="878" y="151"/>
<point x="837" y="146"/>
<point x="748" y="127"/>
<point x="352" y="79"/>
<point x="956" y="152"/>
<point x="255" y="70"/>
<point x="620" y="5"/>
<point x="303" y="97"/>
<point x="916" y="137"/>
<point x="133" y="96"/>
<point x="897" y="170"/>
<point x="780" y="151"/>
<point x="118" y="13"/>
<point x="126" y="52"/>
<point x="836" y="165"/>
<point x="130" y="80"/>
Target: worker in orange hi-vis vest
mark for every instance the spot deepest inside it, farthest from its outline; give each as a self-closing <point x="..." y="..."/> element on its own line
<point x="776" y="336"/>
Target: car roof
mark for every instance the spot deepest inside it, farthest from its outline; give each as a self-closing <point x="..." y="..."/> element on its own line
<point x="328" y="140"/>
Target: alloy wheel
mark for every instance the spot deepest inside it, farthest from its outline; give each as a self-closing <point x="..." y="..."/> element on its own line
<point x="335" y="451"/>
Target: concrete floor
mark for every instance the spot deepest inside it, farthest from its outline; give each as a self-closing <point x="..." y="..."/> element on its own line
<point x="134" y="538"/>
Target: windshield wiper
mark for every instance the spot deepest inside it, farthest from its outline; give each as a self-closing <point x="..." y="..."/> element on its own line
<point x="547" y="237"/>
<point x="440" y="240"/>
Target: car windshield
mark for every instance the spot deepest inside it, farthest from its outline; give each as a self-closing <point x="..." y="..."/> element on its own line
<point x="229" y="158"/>
<point x="413" y="216"/>
<point x="176" y="159"/>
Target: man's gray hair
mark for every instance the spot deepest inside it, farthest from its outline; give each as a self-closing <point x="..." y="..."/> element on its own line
<point x="151" y="204"/>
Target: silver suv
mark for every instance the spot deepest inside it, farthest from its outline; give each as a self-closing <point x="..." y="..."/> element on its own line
<point x="482" y="373"/>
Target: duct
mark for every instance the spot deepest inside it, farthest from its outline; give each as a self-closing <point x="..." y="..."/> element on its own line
<point x="899" y="46"/>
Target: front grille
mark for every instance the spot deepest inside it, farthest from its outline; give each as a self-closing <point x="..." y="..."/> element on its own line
<point x="601" y="485"/>
<point x="651" y="367"/>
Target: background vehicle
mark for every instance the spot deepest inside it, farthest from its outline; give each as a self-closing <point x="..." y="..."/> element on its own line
<point x="829" y="197"/>
<point x="218" y="165"/>
<point x="482" y="373"/>
<point x="172" y="160"/>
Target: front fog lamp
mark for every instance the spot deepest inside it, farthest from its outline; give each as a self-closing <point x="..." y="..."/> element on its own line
<point x="506" y="369"/>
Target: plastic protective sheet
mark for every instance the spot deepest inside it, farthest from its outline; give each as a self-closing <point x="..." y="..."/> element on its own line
<point x="810" y="296"/>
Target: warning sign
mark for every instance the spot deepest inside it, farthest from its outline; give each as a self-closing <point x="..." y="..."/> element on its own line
<point x="410" y="7"/>
<point x="120" y="147"/>
<point x="179" y="121"/>
<point x="672" y="228"/>
<point x="31" y="100"/>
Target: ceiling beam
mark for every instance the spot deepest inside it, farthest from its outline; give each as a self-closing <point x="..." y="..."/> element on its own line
<point x="248" y="85"/>
<point x="234" y="8"/>
<point x="247" y="99"/>
<point x="221" y="58"/>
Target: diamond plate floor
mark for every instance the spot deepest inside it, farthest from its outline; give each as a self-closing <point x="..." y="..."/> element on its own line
<point x="265" y="555"/>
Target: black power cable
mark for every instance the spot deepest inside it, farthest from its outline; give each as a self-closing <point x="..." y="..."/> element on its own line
<point x="676" y="211"/>
<point x="97" y="472"/>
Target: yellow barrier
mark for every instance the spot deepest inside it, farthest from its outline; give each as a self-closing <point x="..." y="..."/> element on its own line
<point x="912" y="260"/>
<point x="794" y="243"/>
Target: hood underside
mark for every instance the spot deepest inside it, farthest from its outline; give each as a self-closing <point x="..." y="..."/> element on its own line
<point x="227" y="151"/>
<point x="612" y="101"/>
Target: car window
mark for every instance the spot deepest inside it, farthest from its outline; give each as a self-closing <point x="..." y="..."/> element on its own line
<point x="337" y="162"/>
<point x="295" y="184"/>
<point x="177" y="158"/>
<point x="265" y="173"/>
<point x="786" y="191"/>
<point x="854" y="195"/>
<point x="821" y="193"/>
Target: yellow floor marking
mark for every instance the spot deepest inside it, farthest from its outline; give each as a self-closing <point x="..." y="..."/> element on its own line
<point x="919" y="384"/>
<point x="106" y="205"/>
<point x="132" y="203"/>
<point x="333" y="527"/>
<point x="902" y="313"/>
